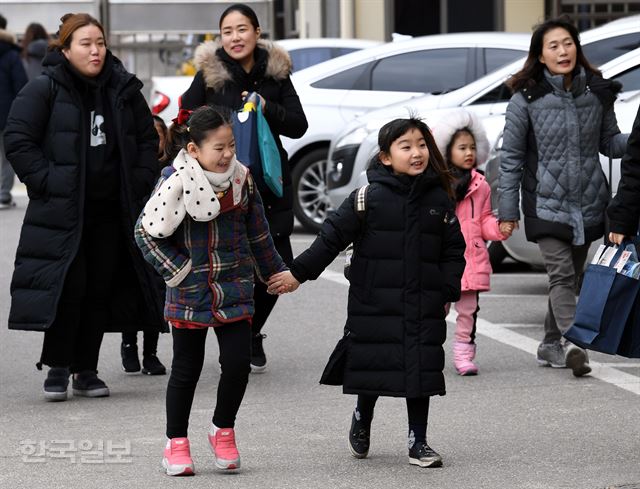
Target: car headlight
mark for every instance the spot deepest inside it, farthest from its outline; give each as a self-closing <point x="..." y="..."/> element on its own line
<point x="354" y="137"/>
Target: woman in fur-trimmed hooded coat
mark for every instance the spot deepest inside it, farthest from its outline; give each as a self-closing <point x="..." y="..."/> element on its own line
<point x="221" y="79"/>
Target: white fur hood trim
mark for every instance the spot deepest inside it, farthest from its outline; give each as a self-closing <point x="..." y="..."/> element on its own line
<point x="446" y="127"/>
<point x="7" y="36"/>
<point x="216" y="74"/>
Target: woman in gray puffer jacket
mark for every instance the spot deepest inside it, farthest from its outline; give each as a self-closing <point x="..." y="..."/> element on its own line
<point x="558" y="120"/>
<point x="34" y="48"/>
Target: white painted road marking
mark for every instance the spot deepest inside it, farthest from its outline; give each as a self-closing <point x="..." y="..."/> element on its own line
<point x="498" y="332"/>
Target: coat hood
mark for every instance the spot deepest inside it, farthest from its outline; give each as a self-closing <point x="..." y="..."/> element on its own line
<point x="444" y="130"/>
<point x="403" y="183"/>
<point x="57" y="67"/>
<point x="7" y="42"/>
<point x="38" y="48"/>
<point x="216" y="73"/>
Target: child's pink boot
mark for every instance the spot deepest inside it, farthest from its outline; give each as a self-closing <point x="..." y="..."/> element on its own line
<point x="463" y="355"/>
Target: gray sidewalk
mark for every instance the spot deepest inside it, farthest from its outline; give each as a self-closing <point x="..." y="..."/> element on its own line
<point x="513" y="426"/>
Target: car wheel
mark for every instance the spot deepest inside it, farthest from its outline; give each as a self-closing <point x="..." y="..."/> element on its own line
<point x="497" y="254"/>
<point x="310" y="200"/>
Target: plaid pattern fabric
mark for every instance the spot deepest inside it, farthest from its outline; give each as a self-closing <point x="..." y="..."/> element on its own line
<point x="224" y="253"/>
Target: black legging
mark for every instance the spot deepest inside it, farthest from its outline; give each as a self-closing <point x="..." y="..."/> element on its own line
<point x="149" y="340"/>
<point x="417" y="409"/>
<point x="234" y="342"/>
<point x="74" y="338"/>
<point x="264" y="302"/>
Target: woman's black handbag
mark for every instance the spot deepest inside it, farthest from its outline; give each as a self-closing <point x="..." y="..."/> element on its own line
<point x="333" y="373"/>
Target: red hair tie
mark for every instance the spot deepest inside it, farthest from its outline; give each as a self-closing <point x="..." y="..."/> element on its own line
<point x="183" y="116"/>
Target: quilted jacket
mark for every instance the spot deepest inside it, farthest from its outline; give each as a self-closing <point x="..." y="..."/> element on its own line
<point x="224" y="252"/>
<point x="550" y="146"/>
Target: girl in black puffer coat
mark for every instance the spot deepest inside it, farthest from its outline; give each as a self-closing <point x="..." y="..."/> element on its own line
<point x="82" y="140"/>
<point x="407" y="264"/>
<point x="238" y="64"/>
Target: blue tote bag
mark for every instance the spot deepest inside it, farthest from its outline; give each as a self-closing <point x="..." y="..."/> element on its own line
<point x="256" y="148"/>
<point x="606" y="318"/>
<point x="269" y="154"/>
<point x="245" y="132"/>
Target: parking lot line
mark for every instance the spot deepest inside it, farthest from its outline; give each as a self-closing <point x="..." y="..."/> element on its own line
<point x="501" y="334"/>
<point x="600" y="371"/>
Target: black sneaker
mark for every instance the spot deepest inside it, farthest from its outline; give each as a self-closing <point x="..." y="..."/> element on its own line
<point x="56" y="383"/>
<point x="151" y="365"/>
<point x="359" y="436"/>
<point x="130" y="361"/>
<point x="258" y="358"/>
<point x="422" y="455"/>
<point x="87" y="384"/>
<point x="577" y="360"/>
<point x="7" y="204"/>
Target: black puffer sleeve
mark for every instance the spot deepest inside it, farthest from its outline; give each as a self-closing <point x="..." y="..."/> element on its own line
<point x="339" y="229"/>
<point x="624" y="210"/>
<point x="195" y="96"/>
<point x="24" y="133"/>
<point x="286" y="117"/>
<point x="146" y="167"/>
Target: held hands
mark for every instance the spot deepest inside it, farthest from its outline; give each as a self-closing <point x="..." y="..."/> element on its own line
<point x="263" y="102"/>
<point x="282" y="283"/>
<point x="507" y="227"/>
<point x="616" y="238"/>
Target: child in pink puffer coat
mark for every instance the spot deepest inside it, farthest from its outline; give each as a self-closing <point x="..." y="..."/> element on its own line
<point x="463" y="142"/>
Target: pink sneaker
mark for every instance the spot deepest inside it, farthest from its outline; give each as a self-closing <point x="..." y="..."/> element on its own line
<point x="463" y="355"/>
<point x="177" y="457"/>
<point x="223" y="446"/>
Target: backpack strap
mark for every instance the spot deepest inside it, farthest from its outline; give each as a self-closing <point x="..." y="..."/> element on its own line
<point x="360" y="206"/>
<point x="360" y="202"/>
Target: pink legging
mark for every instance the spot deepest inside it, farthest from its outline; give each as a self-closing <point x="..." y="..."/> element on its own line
<point x="467" y="308"/>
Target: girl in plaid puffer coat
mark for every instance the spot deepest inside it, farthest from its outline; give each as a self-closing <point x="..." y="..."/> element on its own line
<point x="204" y="231"/>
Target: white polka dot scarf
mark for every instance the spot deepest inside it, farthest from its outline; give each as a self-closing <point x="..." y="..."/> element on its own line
<point x="190" y="190"/>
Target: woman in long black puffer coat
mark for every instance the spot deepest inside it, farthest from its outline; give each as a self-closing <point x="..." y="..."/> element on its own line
<point x="227" y="71"/>
<point x="82" y="140"/>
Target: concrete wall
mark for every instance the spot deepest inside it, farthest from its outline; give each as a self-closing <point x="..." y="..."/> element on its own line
<point x="20" y="14"/>
<point x="310" y="18"/>
<point x="373" y="19"/>
<point x="522" y="15"/>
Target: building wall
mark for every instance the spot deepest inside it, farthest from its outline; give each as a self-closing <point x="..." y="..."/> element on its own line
<point x="375" y="19"/>
<point x="371" y="19"/>
<point x="522" y="15"/>
<point x="310" y="18"/>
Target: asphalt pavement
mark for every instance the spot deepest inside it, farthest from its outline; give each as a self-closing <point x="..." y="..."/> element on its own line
<point x="515" y="425"/>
